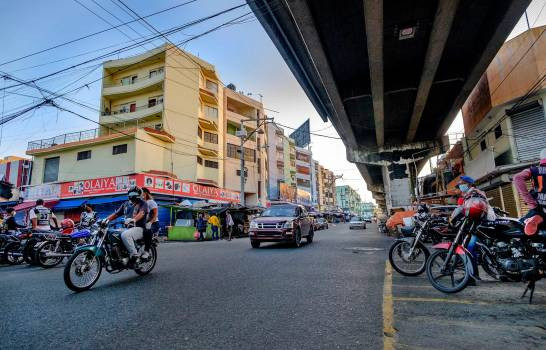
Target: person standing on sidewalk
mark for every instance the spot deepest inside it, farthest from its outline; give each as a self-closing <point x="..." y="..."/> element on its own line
<point x="201" y="226"/>
<point x="229" y="223"/>
<point x="215" y="225"/>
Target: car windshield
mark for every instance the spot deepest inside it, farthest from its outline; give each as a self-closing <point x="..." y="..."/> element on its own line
<point x="355" y="219"/>
<point x="279" y="211"/>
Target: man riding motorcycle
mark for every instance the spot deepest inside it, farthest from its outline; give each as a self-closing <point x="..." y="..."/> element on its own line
<point x="135" y="211"/>
<point x="41" y="217"/>
<point x="536" y="198"/>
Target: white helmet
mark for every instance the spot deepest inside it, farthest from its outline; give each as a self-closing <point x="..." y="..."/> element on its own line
<point x="543" y="154"/>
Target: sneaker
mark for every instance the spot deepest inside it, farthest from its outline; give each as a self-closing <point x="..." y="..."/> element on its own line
<point x="145" y="255"/>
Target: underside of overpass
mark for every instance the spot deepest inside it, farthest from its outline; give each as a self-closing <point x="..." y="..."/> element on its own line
<point x="390" y="75"/>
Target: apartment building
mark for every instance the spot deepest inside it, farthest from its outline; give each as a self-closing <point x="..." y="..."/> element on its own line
<point x="304" y="172"/>
<point x="348" y="199"/>
<point x="240" y="108"/>
<point x="161" y="125"/>
<point x="327" y="190"/>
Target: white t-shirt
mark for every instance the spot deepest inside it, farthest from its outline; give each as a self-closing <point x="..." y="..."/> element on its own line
<point x="43" y="217"/>
<point x="152" y="205"/>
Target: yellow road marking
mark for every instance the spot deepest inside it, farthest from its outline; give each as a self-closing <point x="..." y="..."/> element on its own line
<point x="388" y="311"/>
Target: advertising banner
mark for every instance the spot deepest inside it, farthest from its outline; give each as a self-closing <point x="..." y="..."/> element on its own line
<point x="156" y="184"/>
<point x="303" y="197"/>
<point x="44" y="191"/>
<point x="287" y="192"/>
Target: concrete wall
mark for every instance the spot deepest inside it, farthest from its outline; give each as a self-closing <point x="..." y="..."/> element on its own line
<point x="102" y="163"/>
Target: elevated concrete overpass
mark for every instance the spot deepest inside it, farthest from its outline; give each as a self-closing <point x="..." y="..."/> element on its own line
<point x="390" y="75"/>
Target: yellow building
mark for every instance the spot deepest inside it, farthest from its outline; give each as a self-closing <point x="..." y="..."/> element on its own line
<point x="237" y="108"/>
<point x="161" y="111"/>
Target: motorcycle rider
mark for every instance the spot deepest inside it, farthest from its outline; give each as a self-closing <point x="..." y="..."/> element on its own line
<point x="9" y="221"/>
<point x="152" y="222"/>
<point x="536" y="199"/>
<point x="40" y="217"/>
<point x="135" y="211"/>
<point x="88" y="216"/>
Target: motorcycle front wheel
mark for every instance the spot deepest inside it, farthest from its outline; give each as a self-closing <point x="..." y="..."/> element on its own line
<point x="12" y="253"/>
<point x="42" y="258"/>
<point x="405" y="263"/>
<point x="453" y="278"/>
<point x="82" y="271"/>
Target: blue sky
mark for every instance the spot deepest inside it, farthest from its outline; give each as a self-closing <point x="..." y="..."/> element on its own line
<point x="242" y="53"/>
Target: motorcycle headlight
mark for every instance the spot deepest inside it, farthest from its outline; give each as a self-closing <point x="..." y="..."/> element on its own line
<point x="288" y="224"/>
<point x="253" y="224"/>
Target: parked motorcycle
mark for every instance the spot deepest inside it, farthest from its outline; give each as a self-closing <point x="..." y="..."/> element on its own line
<point x="22" y="249"/>
<point x="53" y="250"/>
<point x="512" y="255"/>
<point x="9" y="244"/>
<point x="106" y="250"/>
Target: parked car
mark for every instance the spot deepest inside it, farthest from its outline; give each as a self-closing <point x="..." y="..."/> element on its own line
<point x="322" y="223"/>
<point x="282" y="223"/>
<point x="357" y="223"/>
<point x="368" y="219"/>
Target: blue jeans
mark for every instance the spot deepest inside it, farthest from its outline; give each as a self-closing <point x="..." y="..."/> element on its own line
<point x="214" y="232"/>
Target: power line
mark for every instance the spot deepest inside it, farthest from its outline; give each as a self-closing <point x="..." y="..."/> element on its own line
<point x="93" y="34"/>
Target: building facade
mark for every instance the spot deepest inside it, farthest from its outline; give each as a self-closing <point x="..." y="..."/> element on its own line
<point x="15" y="173"/>
<point x="348" y="199"/>
<point x="304" y="175"/>
<point x="505" y="119"/>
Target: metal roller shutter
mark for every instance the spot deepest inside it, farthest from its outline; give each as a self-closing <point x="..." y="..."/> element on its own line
<point x="509" y="200"/>
<point x="524" y="207"/>
<point x="529" y="126"/>
<point x="494" y="197"/>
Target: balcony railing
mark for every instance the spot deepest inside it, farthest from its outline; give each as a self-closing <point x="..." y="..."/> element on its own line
<point x="129" y="110"/>
<point x="141" y="80"/>
<point x="62" y="139"/>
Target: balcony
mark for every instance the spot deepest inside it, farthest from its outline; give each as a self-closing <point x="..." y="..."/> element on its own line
<point x="144" y="84"/>
<point x="125" y="115"/>
<point x="208" y="96"/>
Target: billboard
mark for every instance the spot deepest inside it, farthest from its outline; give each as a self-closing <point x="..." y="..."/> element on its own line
<point x="302" y="135"/>
<point x="287" y="192"/>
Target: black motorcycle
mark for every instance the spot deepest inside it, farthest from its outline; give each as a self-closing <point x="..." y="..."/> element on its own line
<point x="51" y="252"/>
<point x="512" y="255"/>
<point x="106" y="250"/>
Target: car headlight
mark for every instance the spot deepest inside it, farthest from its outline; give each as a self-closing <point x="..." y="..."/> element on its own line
<point x="288" y="224"/>
<point x="253" y="224"/>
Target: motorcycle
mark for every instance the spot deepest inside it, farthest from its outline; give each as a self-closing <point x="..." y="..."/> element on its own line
<point x="107" y="251"/>
<point x="53" y="250"/>
<point x="511" y="255"/>
<point x="10" y="243"/>
<point x="22" y="249"/>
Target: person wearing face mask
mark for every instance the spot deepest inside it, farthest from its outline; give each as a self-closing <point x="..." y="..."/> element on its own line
<point x="135" y="211"/>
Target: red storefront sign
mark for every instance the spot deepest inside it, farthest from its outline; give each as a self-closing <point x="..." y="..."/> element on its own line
<point x="156" y="184"/>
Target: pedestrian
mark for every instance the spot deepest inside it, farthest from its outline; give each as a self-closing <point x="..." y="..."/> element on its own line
<point x="229" y="223"/>
<point x="201" y="226"/>
<point x="215" y="225"/>
<point x="152" y="222"/>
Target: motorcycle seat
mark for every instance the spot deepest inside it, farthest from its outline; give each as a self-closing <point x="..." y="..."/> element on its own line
<point x="406" y="232"/>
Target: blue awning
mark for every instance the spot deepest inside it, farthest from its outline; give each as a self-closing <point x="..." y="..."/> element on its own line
<point x="70" y="204"/>
<point x="8" y="204"/>
<point x="105" y="200"/>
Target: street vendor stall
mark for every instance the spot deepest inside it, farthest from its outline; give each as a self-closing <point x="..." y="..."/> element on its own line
<point x="182" y="222"/>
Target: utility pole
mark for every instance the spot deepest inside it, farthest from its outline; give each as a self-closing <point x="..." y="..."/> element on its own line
<point x="242" y="134"/>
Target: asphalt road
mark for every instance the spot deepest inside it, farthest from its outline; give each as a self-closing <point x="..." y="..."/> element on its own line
<point x="212" y="295"/>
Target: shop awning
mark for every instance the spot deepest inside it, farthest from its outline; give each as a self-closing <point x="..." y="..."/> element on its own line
<point x="70" y="204"/>
<point x="27" y="205"/>
<point x="105" y="200"/>
<point x="8" y="204"/>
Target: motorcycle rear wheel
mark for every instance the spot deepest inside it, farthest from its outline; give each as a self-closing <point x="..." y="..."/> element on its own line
<point x="147" y="267"/>
<point x="398" y="257"/>
<point x="10" y="250"/>
<point x="48" y="262"/>
<point x="457" y="272"/>
<point x="82" y="271"/>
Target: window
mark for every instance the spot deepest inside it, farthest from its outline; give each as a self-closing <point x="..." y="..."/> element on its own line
<point x="212" y="86"/>
<point x="199" y="132"/>
<point x="199" y="160"/>
<point x="258" y="142"/>
<point x="498" y="132"/>
<point x="303" y="157"/>
<point x="210" y="112"/>
<point x="232" y="151"/>
<point x="119" y="149"/>
<point x="483" y="145"/>
<point x="211" y="164"/>
<point x="238" y="172"/>
<point x="152" y="101"/>
<point x="51" y="169"/>
<point x="250" y="154"/>
<point x="259" y="189"/>
<point x="127" y="107"/>
<point x="259" y="166"/>
<point x="84" y="155"/>
<point x="158" y="126"/>
<point x="302" y="170"/>
<point x="304" y="183"/>
<point x="232" y="128"/>
<point x="155" y="72"/>
<point x="129" y="80"/>
<point x="210" y="137"/>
